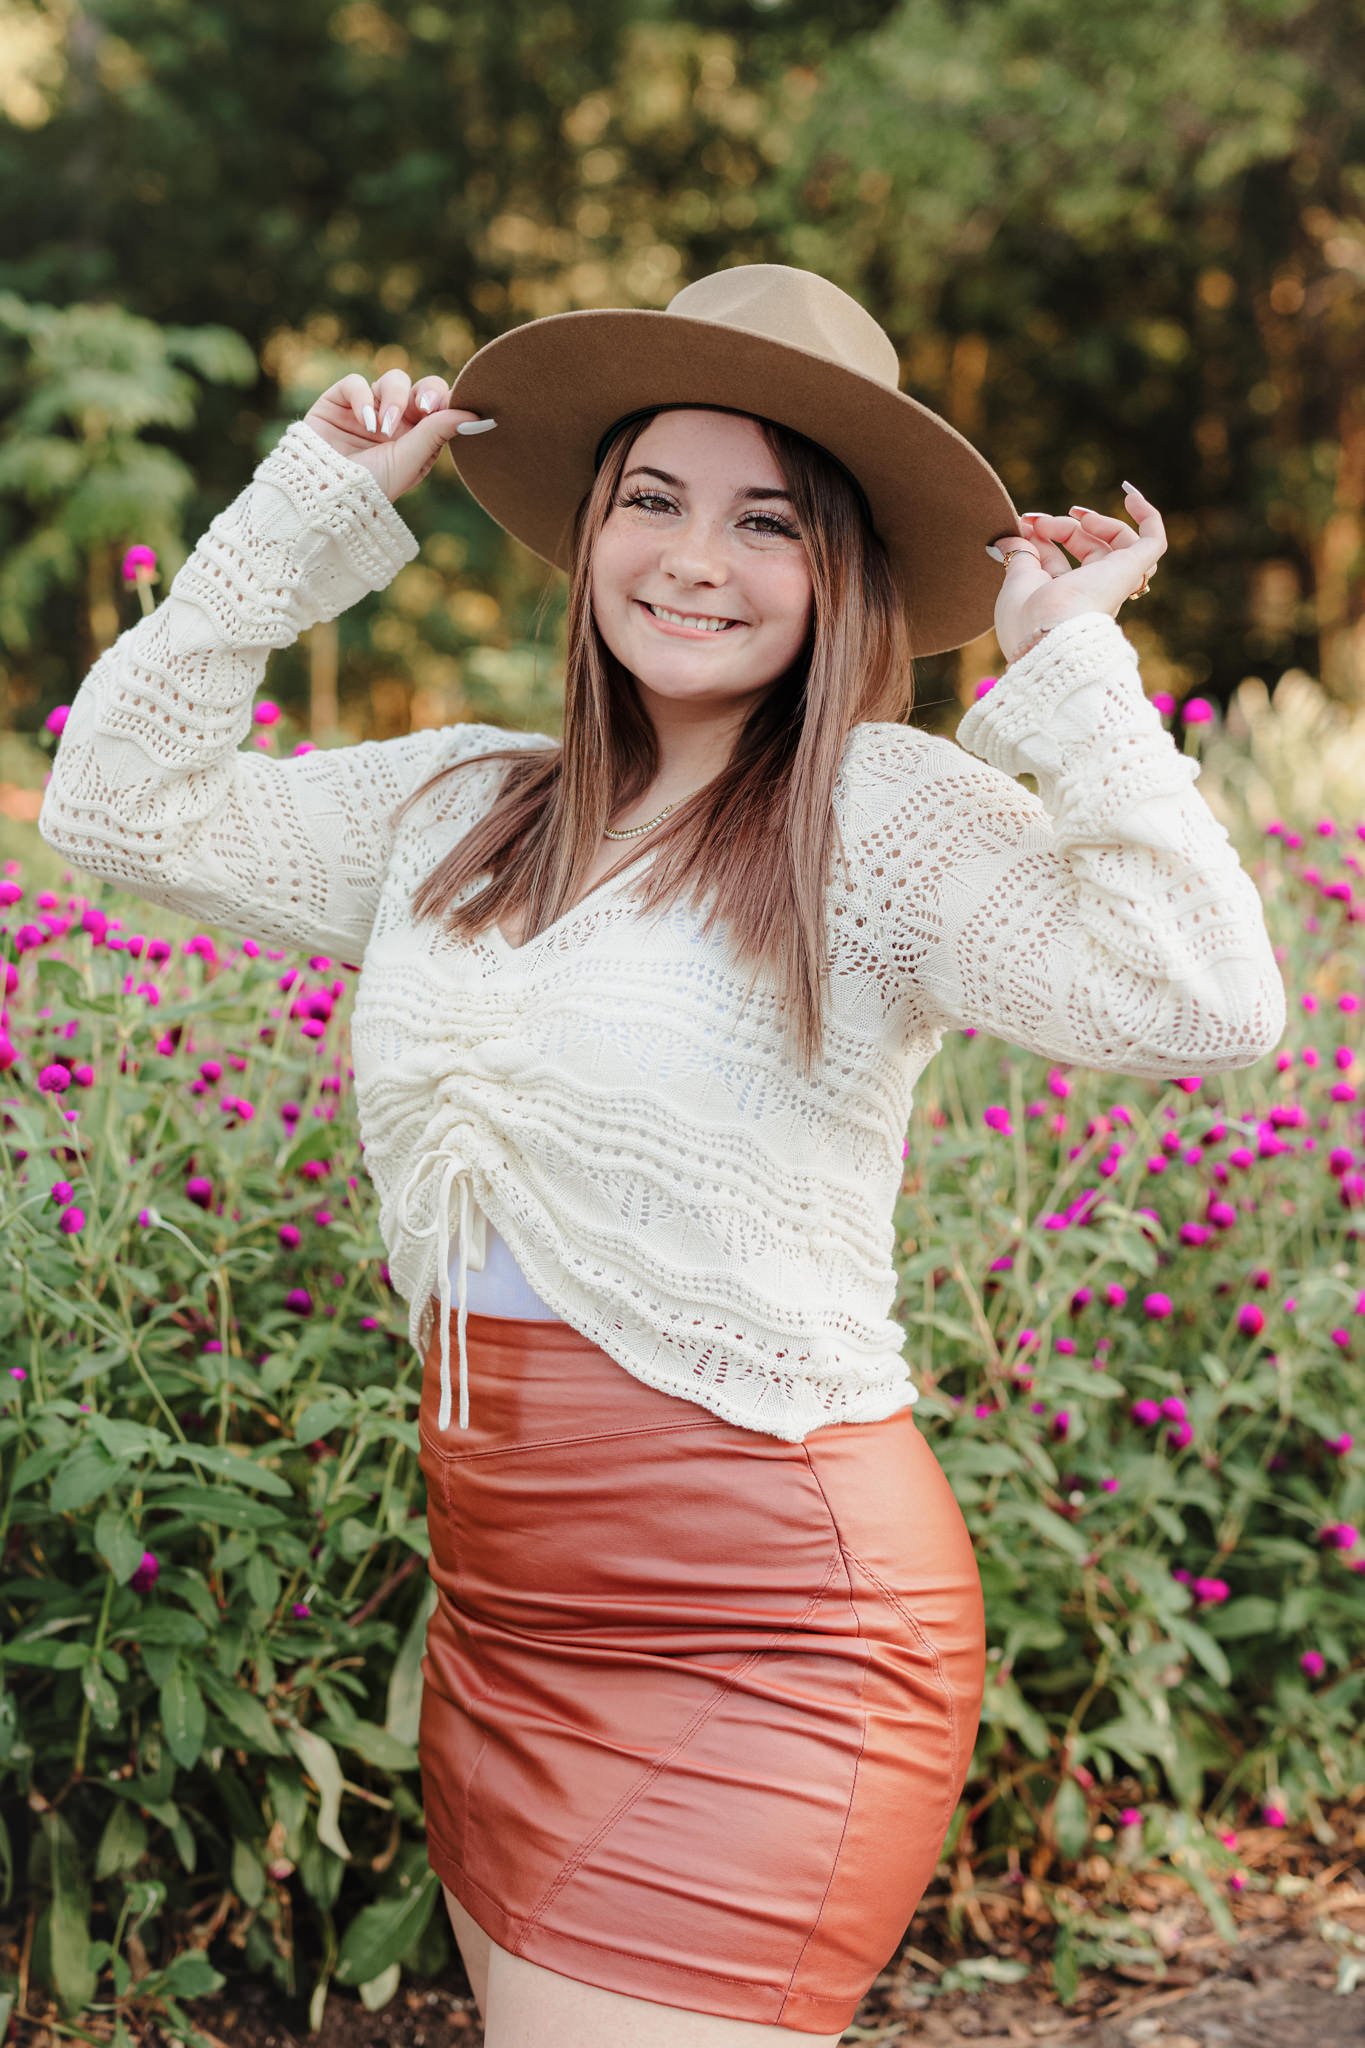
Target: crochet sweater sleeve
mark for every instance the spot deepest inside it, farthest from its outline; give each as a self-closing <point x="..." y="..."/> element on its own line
<point x="1105" y="921"/>
<point x="149" y="788"/>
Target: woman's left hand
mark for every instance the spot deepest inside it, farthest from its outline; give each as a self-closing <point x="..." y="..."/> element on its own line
<point x="1041" y="587"/>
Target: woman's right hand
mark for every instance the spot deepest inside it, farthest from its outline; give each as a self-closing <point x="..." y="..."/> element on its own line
<point x="403" y="456"/>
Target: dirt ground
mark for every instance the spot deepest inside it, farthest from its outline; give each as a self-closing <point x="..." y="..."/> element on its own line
<point x="1295" y="1978"/>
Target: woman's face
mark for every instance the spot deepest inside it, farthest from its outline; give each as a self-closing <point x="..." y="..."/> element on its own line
<point x="702" y="527"/>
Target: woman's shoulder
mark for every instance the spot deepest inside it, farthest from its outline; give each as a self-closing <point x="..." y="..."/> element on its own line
<point x="876" y="748"/>
<point x="467" y="739"/>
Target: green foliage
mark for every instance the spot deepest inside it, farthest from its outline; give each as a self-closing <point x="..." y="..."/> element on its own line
<point x="213" y="1593"/>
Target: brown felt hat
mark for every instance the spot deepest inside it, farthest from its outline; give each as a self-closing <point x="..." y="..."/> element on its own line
<point x="761" y="338"/>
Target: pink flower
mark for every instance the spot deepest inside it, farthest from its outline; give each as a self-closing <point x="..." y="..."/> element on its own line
<point x="301" y="1610"/>
<point x="1274" y="1816"/>
<point x="1157" y="1305"/>
<point x="147" y="1573"/>
<point x="1197" y="710"/>
<point x="139" y="565"/>
<point x="265" y="712"/>
<point x="57" y="717"/>
<point x="984" y="687"/>
<point x="1313" y="1662"/>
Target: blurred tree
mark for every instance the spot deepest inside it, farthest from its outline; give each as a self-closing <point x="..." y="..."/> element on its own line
<point x="1125" y="244"/>
<point x="1104" y="247"/>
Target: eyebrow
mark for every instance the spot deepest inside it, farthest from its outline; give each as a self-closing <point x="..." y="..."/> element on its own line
<point x="752" y="491"/>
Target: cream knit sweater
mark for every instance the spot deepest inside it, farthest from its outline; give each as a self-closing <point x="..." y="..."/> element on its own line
<point x="634" y="1127"/>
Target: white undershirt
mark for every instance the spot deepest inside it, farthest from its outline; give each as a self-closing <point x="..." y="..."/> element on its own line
<point x="500" y="1288"/>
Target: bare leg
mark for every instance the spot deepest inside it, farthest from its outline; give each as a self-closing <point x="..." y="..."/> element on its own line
<point x="530" y="2006"/>
<point x="474" y="1947"/>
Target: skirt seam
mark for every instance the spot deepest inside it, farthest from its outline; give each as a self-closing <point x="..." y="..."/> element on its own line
<point x="954" y="1739"/>
<point x="862" y="1745"/>
<point x="554" y="1443"/>
<point x="628" y="1799"/>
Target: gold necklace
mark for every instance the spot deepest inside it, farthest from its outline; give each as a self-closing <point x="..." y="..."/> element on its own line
<point x="634" y="831"/>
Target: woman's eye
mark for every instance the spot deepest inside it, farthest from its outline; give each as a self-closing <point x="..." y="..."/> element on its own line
<point x="768" y="522"/>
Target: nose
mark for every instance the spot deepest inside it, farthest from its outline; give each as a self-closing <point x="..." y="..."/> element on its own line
<point x="693" y="553"/>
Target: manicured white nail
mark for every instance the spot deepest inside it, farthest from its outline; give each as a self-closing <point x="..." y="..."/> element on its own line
<point x="475" y="426"/>
<point x="369" y="417"/>
<point x="994" y="553"/>
<point x="1132" y="489"/>
<point x="425" y="402"/>
<point x="390" y="419"/>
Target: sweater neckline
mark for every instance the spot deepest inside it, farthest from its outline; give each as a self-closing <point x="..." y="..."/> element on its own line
<point x="599" y="889"/>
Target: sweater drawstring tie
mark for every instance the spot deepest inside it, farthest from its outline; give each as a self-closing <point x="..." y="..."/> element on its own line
<point x="454" y="1168"/>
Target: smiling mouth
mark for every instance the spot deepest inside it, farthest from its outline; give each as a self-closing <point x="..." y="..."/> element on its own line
<point x="695" y="624"/>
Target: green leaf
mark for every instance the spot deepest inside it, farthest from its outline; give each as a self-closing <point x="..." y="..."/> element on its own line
<point x="237" y="1465"/>
<point x="68" y="1919"/>
<point x="182" y="1716"/>
<point x="381" y="1934"/>
<point x="220" y="1504"/>
<point x="262" y="1582"/>
<point x="103" y="1699"/>
<point x="319" y="1417"/>
<point x="405" y="1680"/>
<point x="123" y="1842"/>
<point x="319" y="1759"/>
<point x="248" y="1874"/>
<point x="377" y="1993"/>
<point x="125" y="1441"/>
<point x="191" y="1975"/>
<point x="246" y="1713"/>
<point x="375" y="1744"/>
<point x="1251" y="1615"/>
<point x="1071" y="1819"/>
<point x="1053" y="1528"/>
<point x="118" y="1543"/>
<point x="169" y="1625"/>
<point x="1202" y="1646"/>
<point x="87" y="1473"/>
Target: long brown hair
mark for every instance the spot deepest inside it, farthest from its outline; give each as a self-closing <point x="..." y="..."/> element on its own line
<point x="760" y="835"/>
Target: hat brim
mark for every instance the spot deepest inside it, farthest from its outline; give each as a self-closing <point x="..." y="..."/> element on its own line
<point x="554" y="385"/>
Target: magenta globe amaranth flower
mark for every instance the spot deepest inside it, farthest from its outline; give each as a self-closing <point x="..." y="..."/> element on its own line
<point x="147" y="1573"/>
<point x="57" y="717"/>
<point x="199" y="1189"/>
<point x="139" y="564"/>
<point x="1313" y="1662"/>
<point x="300" y="1300"/>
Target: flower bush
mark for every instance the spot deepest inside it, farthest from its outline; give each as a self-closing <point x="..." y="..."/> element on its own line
<point x="1135" y="1311"/>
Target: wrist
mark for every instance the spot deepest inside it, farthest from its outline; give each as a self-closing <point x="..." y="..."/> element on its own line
<point x="1024" y="645"/>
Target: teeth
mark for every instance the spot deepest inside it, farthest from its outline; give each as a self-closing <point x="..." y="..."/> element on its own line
<point x="678" y="619"/>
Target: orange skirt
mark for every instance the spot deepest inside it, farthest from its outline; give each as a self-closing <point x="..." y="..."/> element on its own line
<point x="699" y="1704"/>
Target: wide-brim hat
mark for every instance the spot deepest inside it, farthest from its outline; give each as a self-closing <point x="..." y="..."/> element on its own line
<point x="762" y="338"/>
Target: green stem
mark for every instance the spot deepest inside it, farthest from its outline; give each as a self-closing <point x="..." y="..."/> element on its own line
<point x="83" y="1733"/>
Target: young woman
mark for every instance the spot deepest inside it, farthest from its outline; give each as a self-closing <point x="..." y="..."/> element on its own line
<point x="635" y="1041"/>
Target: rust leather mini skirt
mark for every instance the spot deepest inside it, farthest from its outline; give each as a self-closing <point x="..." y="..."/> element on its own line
<point x="698" y="1703"/>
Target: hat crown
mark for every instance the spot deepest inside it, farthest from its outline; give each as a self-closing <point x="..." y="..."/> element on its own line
<point x="797" y="307"/>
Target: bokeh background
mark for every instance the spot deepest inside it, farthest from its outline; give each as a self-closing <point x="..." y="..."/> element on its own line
<point x="1107" y="243"/>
